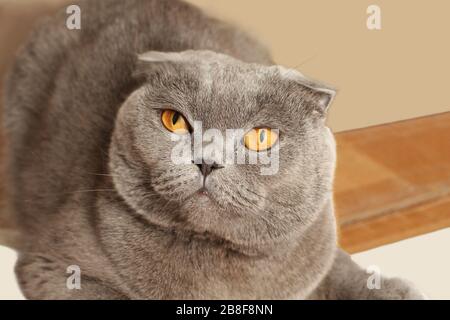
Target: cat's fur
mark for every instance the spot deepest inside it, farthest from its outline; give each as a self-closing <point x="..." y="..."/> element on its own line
<point x="92" y="183"/>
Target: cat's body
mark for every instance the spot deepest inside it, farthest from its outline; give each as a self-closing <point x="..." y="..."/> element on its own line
<point x="89" y="191"/>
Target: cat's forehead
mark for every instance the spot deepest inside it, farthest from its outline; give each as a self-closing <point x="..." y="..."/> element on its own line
<point x="218" y="77"/>
<point x="211" y="65"/>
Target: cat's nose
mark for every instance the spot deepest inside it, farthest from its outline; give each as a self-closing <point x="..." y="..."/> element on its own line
<point x="206" y="168"/>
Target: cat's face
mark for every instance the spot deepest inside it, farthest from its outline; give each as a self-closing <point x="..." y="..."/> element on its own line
<point x="237" y="202"/>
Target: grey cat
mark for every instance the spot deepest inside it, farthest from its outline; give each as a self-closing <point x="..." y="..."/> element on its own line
<point x="92" y="183"/>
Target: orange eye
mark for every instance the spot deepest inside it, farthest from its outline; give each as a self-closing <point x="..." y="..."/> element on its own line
<point x="260" y="139"/>
<point x="174" y="122"/>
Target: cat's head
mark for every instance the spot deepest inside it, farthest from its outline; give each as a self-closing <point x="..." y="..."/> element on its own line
<point x="268" y="192"/>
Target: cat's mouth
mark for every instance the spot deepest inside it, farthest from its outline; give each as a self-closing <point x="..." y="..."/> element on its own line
<point x="203" y="193"/>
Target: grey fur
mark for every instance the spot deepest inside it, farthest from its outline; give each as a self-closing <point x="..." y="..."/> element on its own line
<point x="92" y="184"/>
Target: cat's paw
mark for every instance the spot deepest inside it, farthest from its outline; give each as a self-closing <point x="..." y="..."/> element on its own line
<point x="399" y="289"/>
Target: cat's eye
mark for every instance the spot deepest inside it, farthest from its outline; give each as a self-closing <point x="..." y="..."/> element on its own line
<point x="260" y="139"/>
<point x="174" y="122"/>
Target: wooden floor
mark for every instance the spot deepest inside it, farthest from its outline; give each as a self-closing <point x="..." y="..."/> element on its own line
<point x="393" y="181"/>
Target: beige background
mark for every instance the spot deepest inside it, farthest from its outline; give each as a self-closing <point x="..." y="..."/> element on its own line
<point x="399" y="72"/>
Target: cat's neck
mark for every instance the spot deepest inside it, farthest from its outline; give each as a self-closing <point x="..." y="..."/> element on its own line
<point x="199" y="266"/>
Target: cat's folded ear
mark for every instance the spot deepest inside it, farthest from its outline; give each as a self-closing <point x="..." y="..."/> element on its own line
<point x="318" y="93"/>
<point x="324" y="98"/>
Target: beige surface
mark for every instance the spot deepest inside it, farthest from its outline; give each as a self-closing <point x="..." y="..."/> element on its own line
<point x="9" y="288"/>
<point x="422" y="260"/>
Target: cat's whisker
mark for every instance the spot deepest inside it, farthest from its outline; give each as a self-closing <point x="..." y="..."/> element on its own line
<point x="270" y="200"/>
<point x="103" y="174"/>
<point x="74" y="192"/>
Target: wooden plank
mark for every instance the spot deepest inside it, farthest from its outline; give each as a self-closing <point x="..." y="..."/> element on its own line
<point x="393" y="181"/>
<point x="395" y="226"/>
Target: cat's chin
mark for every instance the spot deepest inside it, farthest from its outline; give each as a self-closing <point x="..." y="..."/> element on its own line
<point x="207" y="216"/>
<point x="203" y="196"/>
<point x="201" y="202"/>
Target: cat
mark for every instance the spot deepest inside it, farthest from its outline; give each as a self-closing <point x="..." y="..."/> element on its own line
<point x="93" y="185"/>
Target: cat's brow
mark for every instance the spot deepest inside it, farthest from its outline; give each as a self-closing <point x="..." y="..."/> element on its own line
<point x="264" y="109"/>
